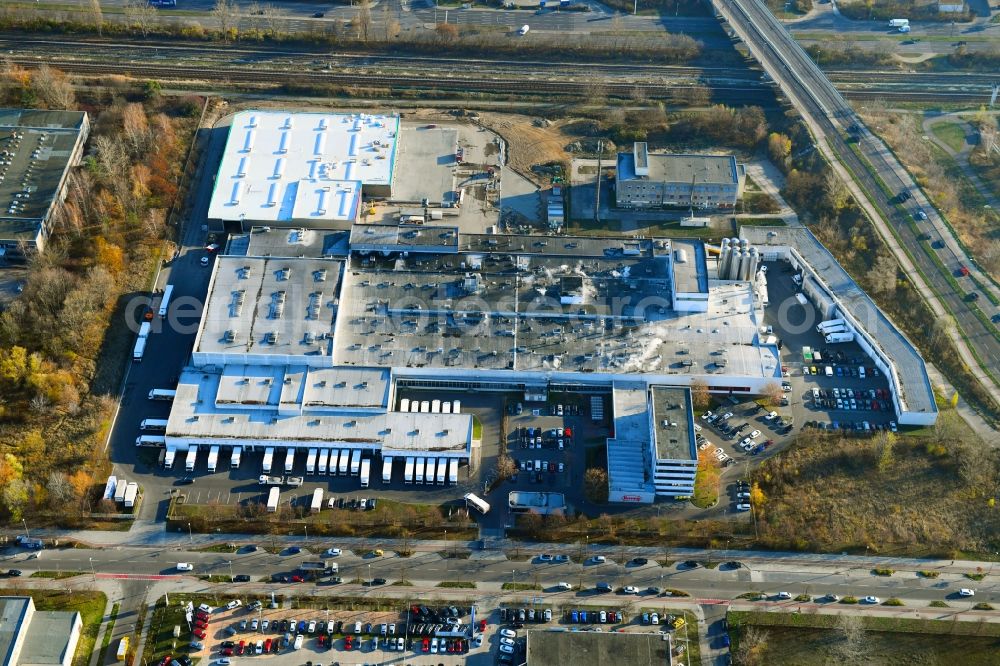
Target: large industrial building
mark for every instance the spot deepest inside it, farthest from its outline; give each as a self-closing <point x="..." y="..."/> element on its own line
<point x="37" y="151"/>
<point x="658" y="180"/>
<point x="305" y="347"/>
<point x="320" y="170"/>
<point x="29" y="637"/>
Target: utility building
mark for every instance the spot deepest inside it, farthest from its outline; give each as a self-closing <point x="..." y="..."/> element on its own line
<point x="659" y="180"/>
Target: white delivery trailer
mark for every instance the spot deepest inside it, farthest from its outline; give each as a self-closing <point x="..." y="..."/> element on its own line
<point x="418" y="471"/>
<point x="425" y="406"/>
<point x="366" y="470"/>
<point x="453" y="471"/>
<point x="311" y="461"/>
<point x="120" y="488"/>
<point x="429" y="471"/>
<point x="140" y="348"/>
<point x="162" y="394"/>
<point x="836" y="338"/>
<point x="192" y="458"/>
<point x="830" y="323"/>
<point x="158" y="425"/>
<point x="355" y="462"/>
<point x="165" y="301"/>
<point x="272" y="499"/>
<point x="345" y="459"/>
<point x="168" y="460"/>
<point x="446" y="407"/>
<point x="213" y="458"/>
<point x="442" y="471"/>
<point x="832" y="329"/>
<point x="317" y="501"/>
<point x="150" y="440"/>
<point x="414" y="406"/>
<point x="321" y="461"/>
<point x="404" y="405"/>
<point x="435" y="406"/>
<point x="131" y="494"/>
<point x="234" y="460"/>
<point x="109" y="487"/>
<point x="408" y="471"/>
<point x="268" y="459"/>
<point x="897" y="23"/>
<point x="289" y="459"/>
<point x="801" y="298"/>
<point x="456" y="407"/>
<point x="387" y="469"/>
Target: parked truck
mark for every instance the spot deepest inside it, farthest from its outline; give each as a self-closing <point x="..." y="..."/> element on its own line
<point x="162" y="394"/>
<point x="835" y="338"/>
<point x="289" y="460"/>
<point x="321" y="461"/>
<point x="355" y="462"/>
<point x="157" y="425"/>
<point x="169" y="457"/>
<point x="453" y="471"/>
<point x="408" y="471"/>
<point x="140" y="342"/>
<point x="265" y="480"/>
<point x="122" y="648"/>
<point x="387" y="469"/>
<point x="801" y="298"/>
<point x="213" y="458"/>
<point x="366" y="468"/>
<point x="192" y="458"/>
<point x="902" y="25"/>
<point x="317" y="501"/>
<point x="824" y="326"/>
<point x="311" y="461"/>
<point x="523" y="30"/>
<point x="234" y="460"/>
<point x="273" y="495"/>
<point x="120" y="490"/>
<point x="131" y="494"/>
<point x="150" y="440"/>
<point x="442" y="471"/>
<point x="268" y="460"/>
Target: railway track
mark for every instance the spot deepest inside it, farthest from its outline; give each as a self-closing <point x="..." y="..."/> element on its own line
<point x="271" y="63"/>
<point x="732" y="90"/>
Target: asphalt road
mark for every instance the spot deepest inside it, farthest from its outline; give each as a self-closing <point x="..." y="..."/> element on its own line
<point x="168" y="349"/>
<point x="723" y="582"/>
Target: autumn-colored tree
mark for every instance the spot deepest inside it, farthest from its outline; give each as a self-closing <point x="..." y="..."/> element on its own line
<point x="700" y="397"/>
<point x="53" y="88"/>
<point x="446" y="32"/>
<point x="773" y="393"/>
<point x="506" y="466"/>
<point x="595" y="485"/>
<point x="779" y="148"/>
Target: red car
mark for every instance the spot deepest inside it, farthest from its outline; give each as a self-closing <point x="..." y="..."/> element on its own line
<point x="348" y="642"/>
<point x="963" y="270"/>
<point x="297" y="579"/>
<point x="568" y="432"/>
<point x="241" y="648"/>
<point x="482" y="626"/>
<point x="425" y="645"/>
<point x="227" y="652"/>
<point x="267" y="645"/>
<point x="199" y="633"/>
<point x="166" y="660"/>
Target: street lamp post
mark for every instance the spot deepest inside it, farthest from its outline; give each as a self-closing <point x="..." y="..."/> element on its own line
<point x="230" y="563"/>
<point x="92" y="570"/>
<point x="26" y="534"/>
<point x="190" y="534"/>
<point x="369" y="575"/>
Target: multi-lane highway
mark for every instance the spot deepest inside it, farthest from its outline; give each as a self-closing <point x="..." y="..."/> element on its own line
<point x="491" y="570"/>
<point x="827" y="112"/>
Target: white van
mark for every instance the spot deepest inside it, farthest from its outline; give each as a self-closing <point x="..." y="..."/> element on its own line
<point x="861" y="372"/>
<point x="828" y="371"/>
<point x="184" y="566"/>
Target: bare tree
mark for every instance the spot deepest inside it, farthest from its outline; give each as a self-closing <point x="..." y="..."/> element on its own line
<point x="882" y="275"/>
<point x="753" y="644"/>
<point x="53" y="88"/>
<point x="140" y="14"/>
<point x="773" y="393"/>
<point x="390" y="26"/>
<point x="225" y="15"/>
<point x="837" y="194"/>
<point x="363" y="20"/>
<point x="272" y="15"/>
<point x="852" y="644"/>
<point x="97" y="16"/>
<point x="506" y="467"/>
<point x="60" y="489"/>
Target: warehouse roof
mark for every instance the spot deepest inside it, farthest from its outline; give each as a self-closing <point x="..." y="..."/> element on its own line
<point x="274" y="305"/>
<point x="282" y="166"/>
<point x="284" y="242"/>
<point x="13" y="618"/>
<point x="914" y="386"/>
<point x="204" y="411"/>
<point x="36" y="150"/>
<point x="558" y="648"/>
<point x="682" y="169"/>
<point x="403" y="238"/>
<point x="49" y="638"/>
<point x="690" y="269"/>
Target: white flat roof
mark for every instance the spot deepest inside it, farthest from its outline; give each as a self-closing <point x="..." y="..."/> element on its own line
<point x="211" y="408"/>
<point x="284" y="167"/>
